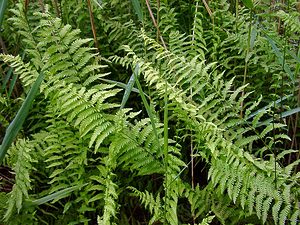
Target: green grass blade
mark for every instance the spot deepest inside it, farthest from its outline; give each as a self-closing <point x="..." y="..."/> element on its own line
<point x="12" y="84"/>
<point x="127" y="92"/>
<point x="3" y="6"/>
<point x="290" y="112"/>
<point x="147" y="106"/>
<point x="6" y="79"/>
<point x="121" y="85"/>
<point x="297" y="58"/>
<point x="138" y="9"/>
<point x="283" y="115"/>
<point x="279" y="55"/>
<point x="268" y="106"/>
<point x="55" y="196"/>
<point x="253" y="36"/>
<point x="248" y="4"/>
<point x="98" y="3"/>
<point x="18" y="121"/>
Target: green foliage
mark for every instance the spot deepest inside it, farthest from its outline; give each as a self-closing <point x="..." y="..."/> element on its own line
<point x="21" y="162"/>
<point x="3" y="6"/>
<point x="91" y="160"/>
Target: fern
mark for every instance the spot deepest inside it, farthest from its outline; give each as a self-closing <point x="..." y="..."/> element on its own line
<point x="21" y="162"/>
<point x="150" y="202"/>
<point x="209" y="129"/>
<point x="86" y="138"/>
<point x="290" y="20"/>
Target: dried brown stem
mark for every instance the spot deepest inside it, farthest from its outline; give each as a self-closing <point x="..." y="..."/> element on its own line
<point x="155" y="24"/>
<point x="57" y="10"/>
<point x="93" y="25"/>
<point x="26" y="3"/>
<point x="209" y="12"/>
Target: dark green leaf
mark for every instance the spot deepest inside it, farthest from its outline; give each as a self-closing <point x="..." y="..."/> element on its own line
<point x="248" y="3"/>
<point x="138" y="9"/>
<point x="6" y="79"/>
<point x="3" y="6"/>
<point x="55" y="196"/>
<point x="279" y="55"/>
<point x="128" y="90"/>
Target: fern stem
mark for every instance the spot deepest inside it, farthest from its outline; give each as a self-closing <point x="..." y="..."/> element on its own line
<point x="166" y="126"/>
<point x="26" y="3"/>
<point x="210" y="14"/>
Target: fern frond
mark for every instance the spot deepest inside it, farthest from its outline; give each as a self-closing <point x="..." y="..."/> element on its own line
<point x="109" y="193"/>
<point x="290" y="20"/>
<point x="21" y="160"/>
<point x="25" y="71"/>
<point x="150" y="202"/>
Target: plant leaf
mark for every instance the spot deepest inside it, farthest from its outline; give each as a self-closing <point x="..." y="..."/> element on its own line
<point x="248" y="3"/>
<point x="6" y="79"/>
<point x="279" y="55"/>
<point x="3" y="6"/>
<point x="55" y="196"/>
<point x="147" y="106"/>
<point x="18" y="121"/>
<point x="128" y="90"/>
<point x="138" y="9"/>
<point x="283" y="115"/>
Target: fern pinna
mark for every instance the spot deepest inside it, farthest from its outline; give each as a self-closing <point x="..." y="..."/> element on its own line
<point x="117" y="161"/>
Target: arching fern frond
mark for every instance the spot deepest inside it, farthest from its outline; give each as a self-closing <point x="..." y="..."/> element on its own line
<point x="20" y="159"/>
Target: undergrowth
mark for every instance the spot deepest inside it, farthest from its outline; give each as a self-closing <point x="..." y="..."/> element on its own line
<point x="159" y="112"/>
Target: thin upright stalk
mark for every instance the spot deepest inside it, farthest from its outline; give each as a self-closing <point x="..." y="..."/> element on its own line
<point x="57" y="10"/>
<point x="246" y="60"/>
<point x="236" y="15"/>
<point x="26" y="3"/>
<point x="155" y="24"/>
<point x="210" y="14"/>
<point x="93" y="24"/>
<point x="157" y="19"/>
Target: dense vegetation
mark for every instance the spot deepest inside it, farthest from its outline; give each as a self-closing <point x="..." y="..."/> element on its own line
<point x="150" y="112"/>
